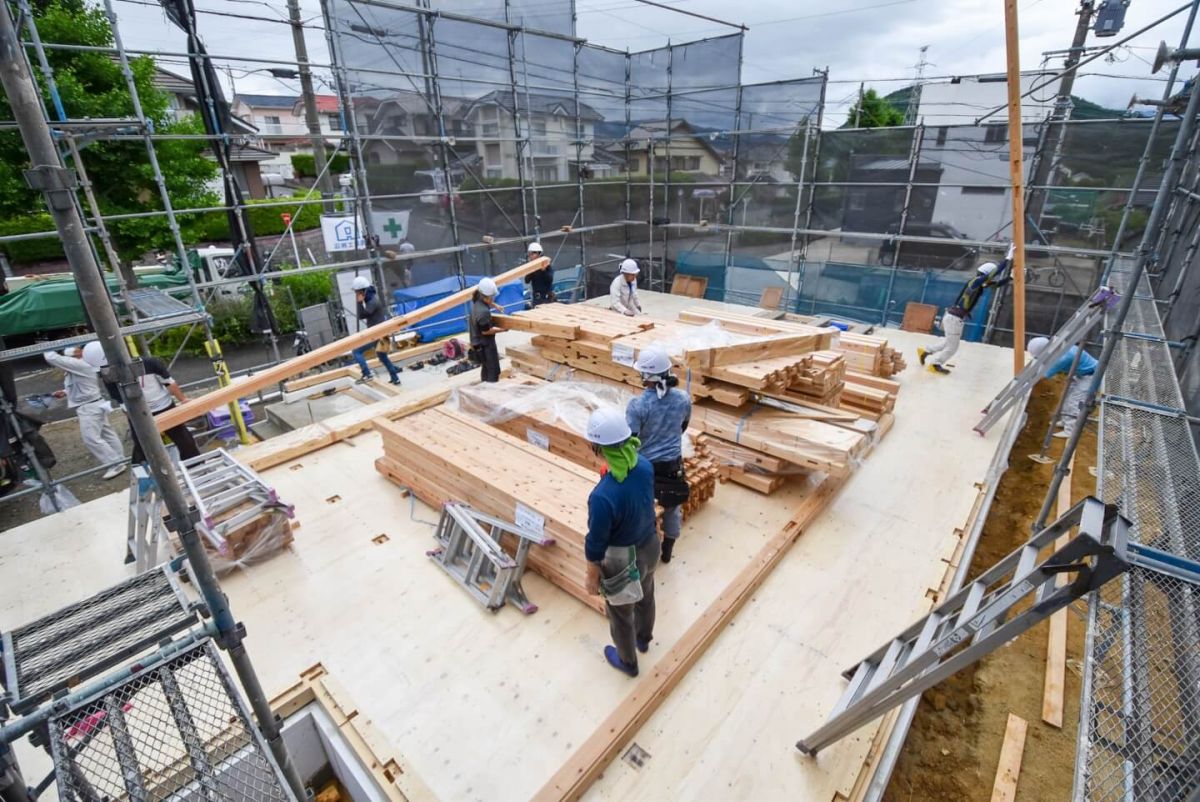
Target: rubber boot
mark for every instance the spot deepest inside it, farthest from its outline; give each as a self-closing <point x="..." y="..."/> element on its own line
<point x="668" y="546"/>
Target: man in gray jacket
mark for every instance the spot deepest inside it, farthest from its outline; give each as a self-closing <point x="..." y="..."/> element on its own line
<point x="91" y="408"/>
<point x="371" y="310"/>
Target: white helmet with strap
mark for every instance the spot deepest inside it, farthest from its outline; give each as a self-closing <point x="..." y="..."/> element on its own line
<point x="607" y="427"/>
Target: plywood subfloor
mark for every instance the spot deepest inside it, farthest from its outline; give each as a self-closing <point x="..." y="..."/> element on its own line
<point x="488" y="706"/>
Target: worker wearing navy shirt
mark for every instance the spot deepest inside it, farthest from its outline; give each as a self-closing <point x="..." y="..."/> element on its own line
<point x="621" y="535"/>
<point x="1076" y="391"/>
<point x="541" y="282"/>
<point x="987" y="275"/>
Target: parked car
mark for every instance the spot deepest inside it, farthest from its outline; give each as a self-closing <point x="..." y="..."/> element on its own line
<point x="948" y="254"/>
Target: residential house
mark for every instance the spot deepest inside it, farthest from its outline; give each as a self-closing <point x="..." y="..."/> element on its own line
<point x="554" y="149"/>
<point x="690" y="152"/>
<point x="873" y="200"/>
<point x="281" y="119"/>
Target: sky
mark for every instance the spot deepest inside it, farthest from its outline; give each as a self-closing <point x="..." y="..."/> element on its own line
<point x="871" y="41"/>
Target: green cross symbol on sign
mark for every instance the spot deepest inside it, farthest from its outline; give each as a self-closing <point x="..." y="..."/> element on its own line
<point x="393" y="229"/>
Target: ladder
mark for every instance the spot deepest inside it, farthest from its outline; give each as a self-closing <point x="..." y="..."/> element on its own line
<point x="147" y="531"/>
<point x="470" y="551"/>
<point x="975" y="620"/>
<point x="1071" y="332"/>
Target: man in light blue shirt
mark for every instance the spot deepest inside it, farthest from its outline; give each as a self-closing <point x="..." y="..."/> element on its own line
<point x="1077" y="389"/>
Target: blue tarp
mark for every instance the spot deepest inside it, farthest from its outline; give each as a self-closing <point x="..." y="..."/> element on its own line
<point x="452" y="321"/>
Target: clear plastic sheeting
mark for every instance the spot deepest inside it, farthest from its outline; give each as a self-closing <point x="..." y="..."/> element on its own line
<point x="568" y="402"/>
<point x="266" y="540"/>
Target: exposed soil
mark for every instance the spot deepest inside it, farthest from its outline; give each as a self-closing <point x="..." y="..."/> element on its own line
<point x="953" y="748"/>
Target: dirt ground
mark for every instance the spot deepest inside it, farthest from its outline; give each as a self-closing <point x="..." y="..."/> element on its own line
<point x="953" y="748"/>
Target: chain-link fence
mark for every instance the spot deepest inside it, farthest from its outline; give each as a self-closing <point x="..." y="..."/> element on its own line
<point x="1140" y="724"/>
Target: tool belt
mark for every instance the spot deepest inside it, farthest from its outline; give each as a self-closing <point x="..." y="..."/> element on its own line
<point x="670" y="483"/>
<point x="384" y="345"/>
<point x="625" y="584"/>
<point x="958" y="312"/>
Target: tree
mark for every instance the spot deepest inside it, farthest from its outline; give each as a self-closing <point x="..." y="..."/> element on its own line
<point x="872" y="111"/>
<point x="91" y="84"/>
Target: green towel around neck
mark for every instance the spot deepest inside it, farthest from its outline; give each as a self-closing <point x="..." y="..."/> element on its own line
<point x="622" y="458"/>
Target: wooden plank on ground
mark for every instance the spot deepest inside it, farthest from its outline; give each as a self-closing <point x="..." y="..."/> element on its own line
<point x="1054" y="687"/>
<point x="1004" y="789"/>
<point x="298" y="364"/>
<point x="610" y="738"/>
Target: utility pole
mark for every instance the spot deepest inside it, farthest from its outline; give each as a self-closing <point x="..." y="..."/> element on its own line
<point x="858" y="107"/>
<point x="58" y="185"/>
<point x="1045" y="159"/>
<point x="311" y="117"/>
<point x="1016" y="168"/>
<point x="914" y="97"/>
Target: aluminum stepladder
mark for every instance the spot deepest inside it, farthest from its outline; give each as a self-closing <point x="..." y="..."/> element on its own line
<point x="1068" y="335"/>
<point x="975" y="620"/>
<point x="470" y="551"/>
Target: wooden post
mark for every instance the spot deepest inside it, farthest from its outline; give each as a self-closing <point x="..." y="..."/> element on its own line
<point x="1017" y="175"/>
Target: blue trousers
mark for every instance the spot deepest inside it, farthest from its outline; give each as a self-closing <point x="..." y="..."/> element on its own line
<point x="360" y="357"/>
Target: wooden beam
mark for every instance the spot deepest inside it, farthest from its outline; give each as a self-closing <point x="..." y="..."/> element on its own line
<point x="1004" y="789"/>
<point x="757" y="350"/>
<point x="277" y="373"/>
<point x="1056" y="642"/>
<point x="551" y="328"/>
<point x="1016" y="170"/>
<point x="605" y="744"/>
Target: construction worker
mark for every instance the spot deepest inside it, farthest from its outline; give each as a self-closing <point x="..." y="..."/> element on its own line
<point x="372" y="311"/>
<point x="483" y="332"/>
<point x="91" y="408"/>
<point x="622" y="293"/>
<point x="622" y="542"/>
<point x="160" y="391"/>
<point x="1076" y="391"/>
<point x="541" y="282"/>
<point x="988" y="274"/>
<point x="659" y="417"/>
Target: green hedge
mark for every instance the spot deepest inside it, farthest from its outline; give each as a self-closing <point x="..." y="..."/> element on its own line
<point x="35" y="250"/>
<point x="266" y="220"/>
<point x="305" y="164"/>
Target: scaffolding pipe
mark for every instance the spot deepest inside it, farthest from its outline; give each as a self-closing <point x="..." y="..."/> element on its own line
<point x="914" y="158"/>
<point x="56" y="182"/>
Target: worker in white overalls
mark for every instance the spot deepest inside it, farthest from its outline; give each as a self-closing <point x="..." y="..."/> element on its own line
<point x="622" y="293"/>
<point x="91" y="408"/>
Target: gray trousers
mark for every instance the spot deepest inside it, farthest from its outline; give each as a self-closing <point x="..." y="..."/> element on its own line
<point x="629" y="623"/>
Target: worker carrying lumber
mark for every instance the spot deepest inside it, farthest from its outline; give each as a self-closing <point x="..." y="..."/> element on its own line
<point x="91" y="408"/>
<point x="659" y="417"/>
<point x="372" y="311"/>
<point x="622" y="541"/>
<point x="987" y="275"/>
<point x="160" y="390"/>
<point x="541" y="282"/>
<point x="622" y="293"/>
<point x="1076" y="392"/>
<point x="483" y="331"/>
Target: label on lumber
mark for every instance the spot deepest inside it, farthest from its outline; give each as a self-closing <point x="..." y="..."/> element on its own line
<point x="530" y="519"/>
<point x="537" y="438"/>
<point x="622" y="354"/>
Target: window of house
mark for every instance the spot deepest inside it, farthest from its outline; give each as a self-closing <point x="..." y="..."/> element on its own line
<point x="678" y="163"/>
<point x="335" y="122"/>
<point x="539" y="127"/>
<point x="494" y="172"/>
<point x="693" y="163"/>
<point x="996" y="133"/>
<point x="491" y="154"/>
<point x="635" y="165"/>
<point x="660" y="164"/>
<point x="942" y="132"/>
<point x="546" y="174"/>
<point x="271" y="125"/>
<point x="395" y="122"/>
<point x="489" y="130"/>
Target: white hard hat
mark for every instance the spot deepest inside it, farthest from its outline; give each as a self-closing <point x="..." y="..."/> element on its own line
<point x="93" y="354"/>
<point x="607" y="427"/>
<point x="652" y="362"/>
<point x="488" y="287"/>
<point x="534" y="247"/>
<point x="1037" y="345"/>
<point x="630" y="266"/>
<point x="360" y="283"/>
<point x="987" y="268"/>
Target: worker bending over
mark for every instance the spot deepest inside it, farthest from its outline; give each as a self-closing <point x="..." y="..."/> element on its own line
<point x="659" y="417"/>
<point x="372" y="311"/>
<point x="1076" y="391"/>
<point x="622" y="542"/>
<point x="483" y="331"/>
<point x="160" y="391"/>
<point x="541" y="282"/>
<point x="91" y="408"/>
<point x="954" y="318"/>
<point x="622" y="293"/>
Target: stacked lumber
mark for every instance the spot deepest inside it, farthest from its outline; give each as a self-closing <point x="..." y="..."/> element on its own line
<point x="749" y="468"/>
<point x="822" y="379"/>
<point x="441" y="455"/>
<point x="869" y="396"/>
<point x="866" y="353"/>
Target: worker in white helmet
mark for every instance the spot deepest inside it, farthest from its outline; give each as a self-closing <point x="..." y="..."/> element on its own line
<point x="622" y="542"/>
<point x="541" y="282"/>
<point x="622" y="293"/>
<point x="372" y="311"/>
<point x="91" y="406"/>
<point x="987" y="275"/>
<point x="483" y="331"/>
<point x="1076" y="392"/>
<point x="659" y="417"/>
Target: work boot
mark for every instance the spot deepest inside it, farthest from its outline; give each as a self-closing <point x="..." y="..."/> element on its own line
<point x="395" y="381"/>
<point x="921" y="354"/>
<point x="643" y="646"/>
<point x="367" y="377"/>
<point x="614" y="660"/>
<point x="936" y="368"/>
<point x="115" y="471"/>
<point x="668" y="545"/>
